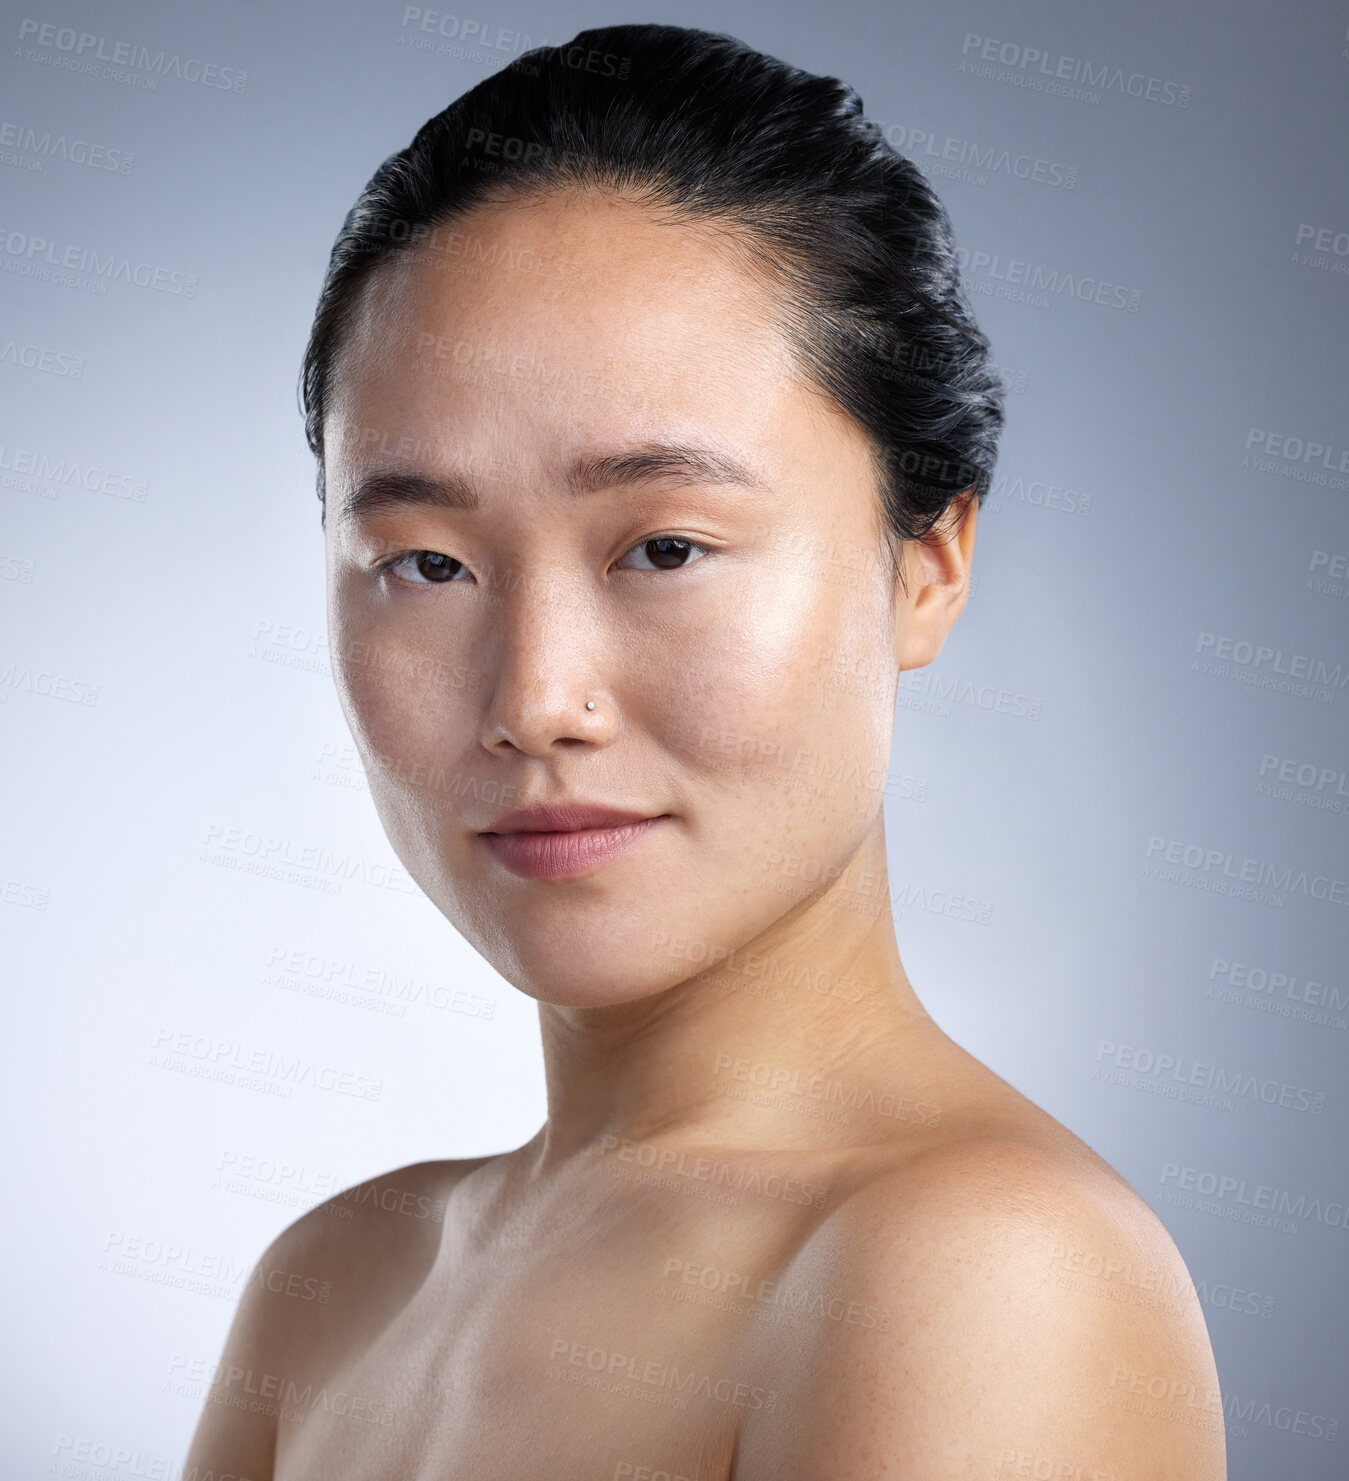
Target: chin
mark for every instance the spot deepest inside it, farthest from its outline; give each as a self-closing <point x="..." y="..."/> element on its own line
<point x="590" y="960"/>
<point x="563" y="987"/>
<point x="567" y="951"/>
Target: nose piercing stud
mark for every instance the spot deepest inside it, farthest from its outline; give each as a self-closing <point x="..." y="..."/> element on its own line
<point x="590" y="704"/>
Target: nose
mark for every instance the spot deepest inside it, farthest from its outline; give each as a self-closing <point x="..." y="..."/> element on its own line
<point x="543" y="653"/>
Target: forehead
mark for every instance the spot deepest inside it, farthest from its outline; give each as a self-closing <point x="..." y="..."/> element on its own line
<point x="570" y="316"/>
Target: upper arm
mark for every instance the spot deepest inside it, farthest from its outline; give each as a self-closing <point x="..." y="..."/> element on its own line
<point x="236" y="1438"/>
<point x="1000" y="1357"/>
<point x="322" y="1288"/>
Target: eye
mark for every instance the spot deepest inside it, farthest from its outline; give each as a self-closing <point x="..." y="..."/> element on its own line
<point x="665" y="553"/>
<point x="430" y="567"/>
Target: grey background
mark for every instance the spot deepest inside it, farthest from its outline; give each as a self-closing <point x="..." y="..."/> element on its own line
<point x="166" y="701"/>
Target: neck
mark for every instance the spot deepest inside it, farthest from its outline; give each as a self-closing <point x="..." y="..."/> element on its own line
<point x="744" y="1053"/>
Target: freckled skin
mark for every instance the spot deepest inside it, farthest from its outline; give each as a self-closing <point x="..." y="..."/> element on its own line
<point x="852" y="1259"/>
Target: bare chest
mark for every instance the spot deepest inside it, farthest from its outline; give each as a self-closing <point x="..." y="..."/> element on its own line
<point x="640" y="1356"/>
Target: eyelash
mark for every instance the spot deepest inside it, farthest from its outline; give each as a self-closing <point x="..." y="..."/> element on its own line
<point x="392" y="562"/>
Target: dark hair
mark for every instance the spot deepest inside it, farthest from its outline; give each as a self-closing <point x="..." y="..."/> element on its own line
<point x="702" y="125"/>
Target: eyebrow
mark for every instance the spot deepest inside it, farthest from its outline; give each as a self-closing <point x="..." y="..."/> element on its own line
<point x="384" y="489"/>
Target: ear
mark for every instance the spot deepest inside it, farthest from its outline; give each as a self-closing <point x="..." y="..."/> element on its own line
<point x="937" y="573"/>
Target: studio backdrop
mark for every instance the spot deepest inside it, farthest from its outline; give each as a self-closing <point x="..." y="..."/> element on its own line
<point x="1117" y="804"/>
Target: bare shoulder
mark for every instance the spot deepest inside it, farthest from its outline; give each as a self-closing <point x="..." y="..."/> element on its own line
<point x="323" y="1287"/>
<point x="361" y="1253"/>
<point x="400" y="1212"/>
<point x="1035" y="1319"/>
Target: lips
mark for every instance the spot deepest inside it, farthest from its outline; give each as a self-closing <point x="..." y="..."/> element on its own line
<point x="565" y="841"/>
<point x="566" y="817"/>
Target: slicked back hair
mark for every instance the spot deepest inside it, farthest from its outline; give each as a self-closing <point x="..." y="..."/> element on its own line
<point x="699" y="125"/>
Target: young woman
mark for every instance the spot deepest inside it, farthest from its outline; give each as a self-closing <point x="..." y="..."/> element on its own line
<point x="652" y="431"/>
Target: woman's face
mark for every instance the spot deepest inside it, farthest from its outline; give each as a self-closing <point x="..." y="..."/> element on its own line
<point x="728" y="612"/>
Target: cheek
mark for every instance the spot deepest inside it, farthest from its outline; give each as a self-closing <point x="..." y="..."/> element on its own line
<point x="411" y="704"/>
<point x="415" y="721"/>
<point x="412" y="716"/>
<point x="766" y="704"/>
